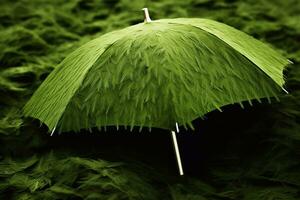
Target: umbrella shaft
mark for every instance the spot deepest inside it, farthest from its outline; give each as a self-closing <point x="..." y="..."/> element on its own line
<point x="177" y="153"/>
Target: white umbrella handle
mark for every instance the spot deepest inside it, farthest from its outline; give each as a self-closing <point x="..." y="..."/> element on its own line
<point x="177" y="152"/>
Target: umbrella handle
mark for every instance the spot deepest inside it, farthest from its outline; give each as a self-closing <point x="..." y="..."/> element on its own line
<point x="177" y="153"/>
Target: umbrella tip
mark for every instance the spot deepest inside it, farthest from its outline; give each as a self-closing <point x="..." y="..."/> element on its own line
<point x="147" y="18"/>
<point x="177" y="128"/>
<point x="53" y="131"/>
<point x="285" y="90"/>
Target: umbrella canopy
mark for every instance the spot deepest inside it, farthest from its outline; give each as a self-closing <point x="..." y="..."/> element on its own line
<point x="155" y="74"/>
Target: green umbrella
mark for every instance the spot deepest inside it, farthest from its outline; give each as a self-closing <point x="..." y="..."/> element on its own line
<point x="157" y="74"/>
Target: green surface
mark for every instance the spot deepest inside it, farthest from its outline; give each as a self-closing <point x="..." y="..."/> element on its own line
<point x="156" y="74"/>
<point x="237" y="154"/>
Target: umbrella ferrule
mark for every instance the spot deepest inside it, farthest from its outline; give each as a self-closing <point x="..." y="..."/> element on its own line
<point x="147" y="18"/>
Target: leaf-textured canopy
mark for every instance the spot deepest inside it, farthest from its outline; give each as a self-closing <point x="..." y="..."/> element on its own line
<point x="156" y="74"/>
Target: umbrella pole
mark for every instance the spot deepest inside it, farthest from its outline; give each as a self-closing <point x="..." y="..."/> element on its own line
<point x="177" y="153"/>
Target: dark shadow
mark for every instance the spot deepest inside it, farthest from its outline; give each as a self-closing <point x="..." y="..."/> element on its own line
<point x="222" y="138"/>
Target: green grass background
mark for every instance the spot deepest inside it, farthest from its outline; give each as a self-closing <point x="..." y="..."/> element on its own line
<point x="250" y="154"/>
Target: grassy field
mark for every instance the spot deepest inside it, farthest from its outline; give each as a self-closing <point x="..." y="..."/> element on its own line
<point x="240" y="154"/>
